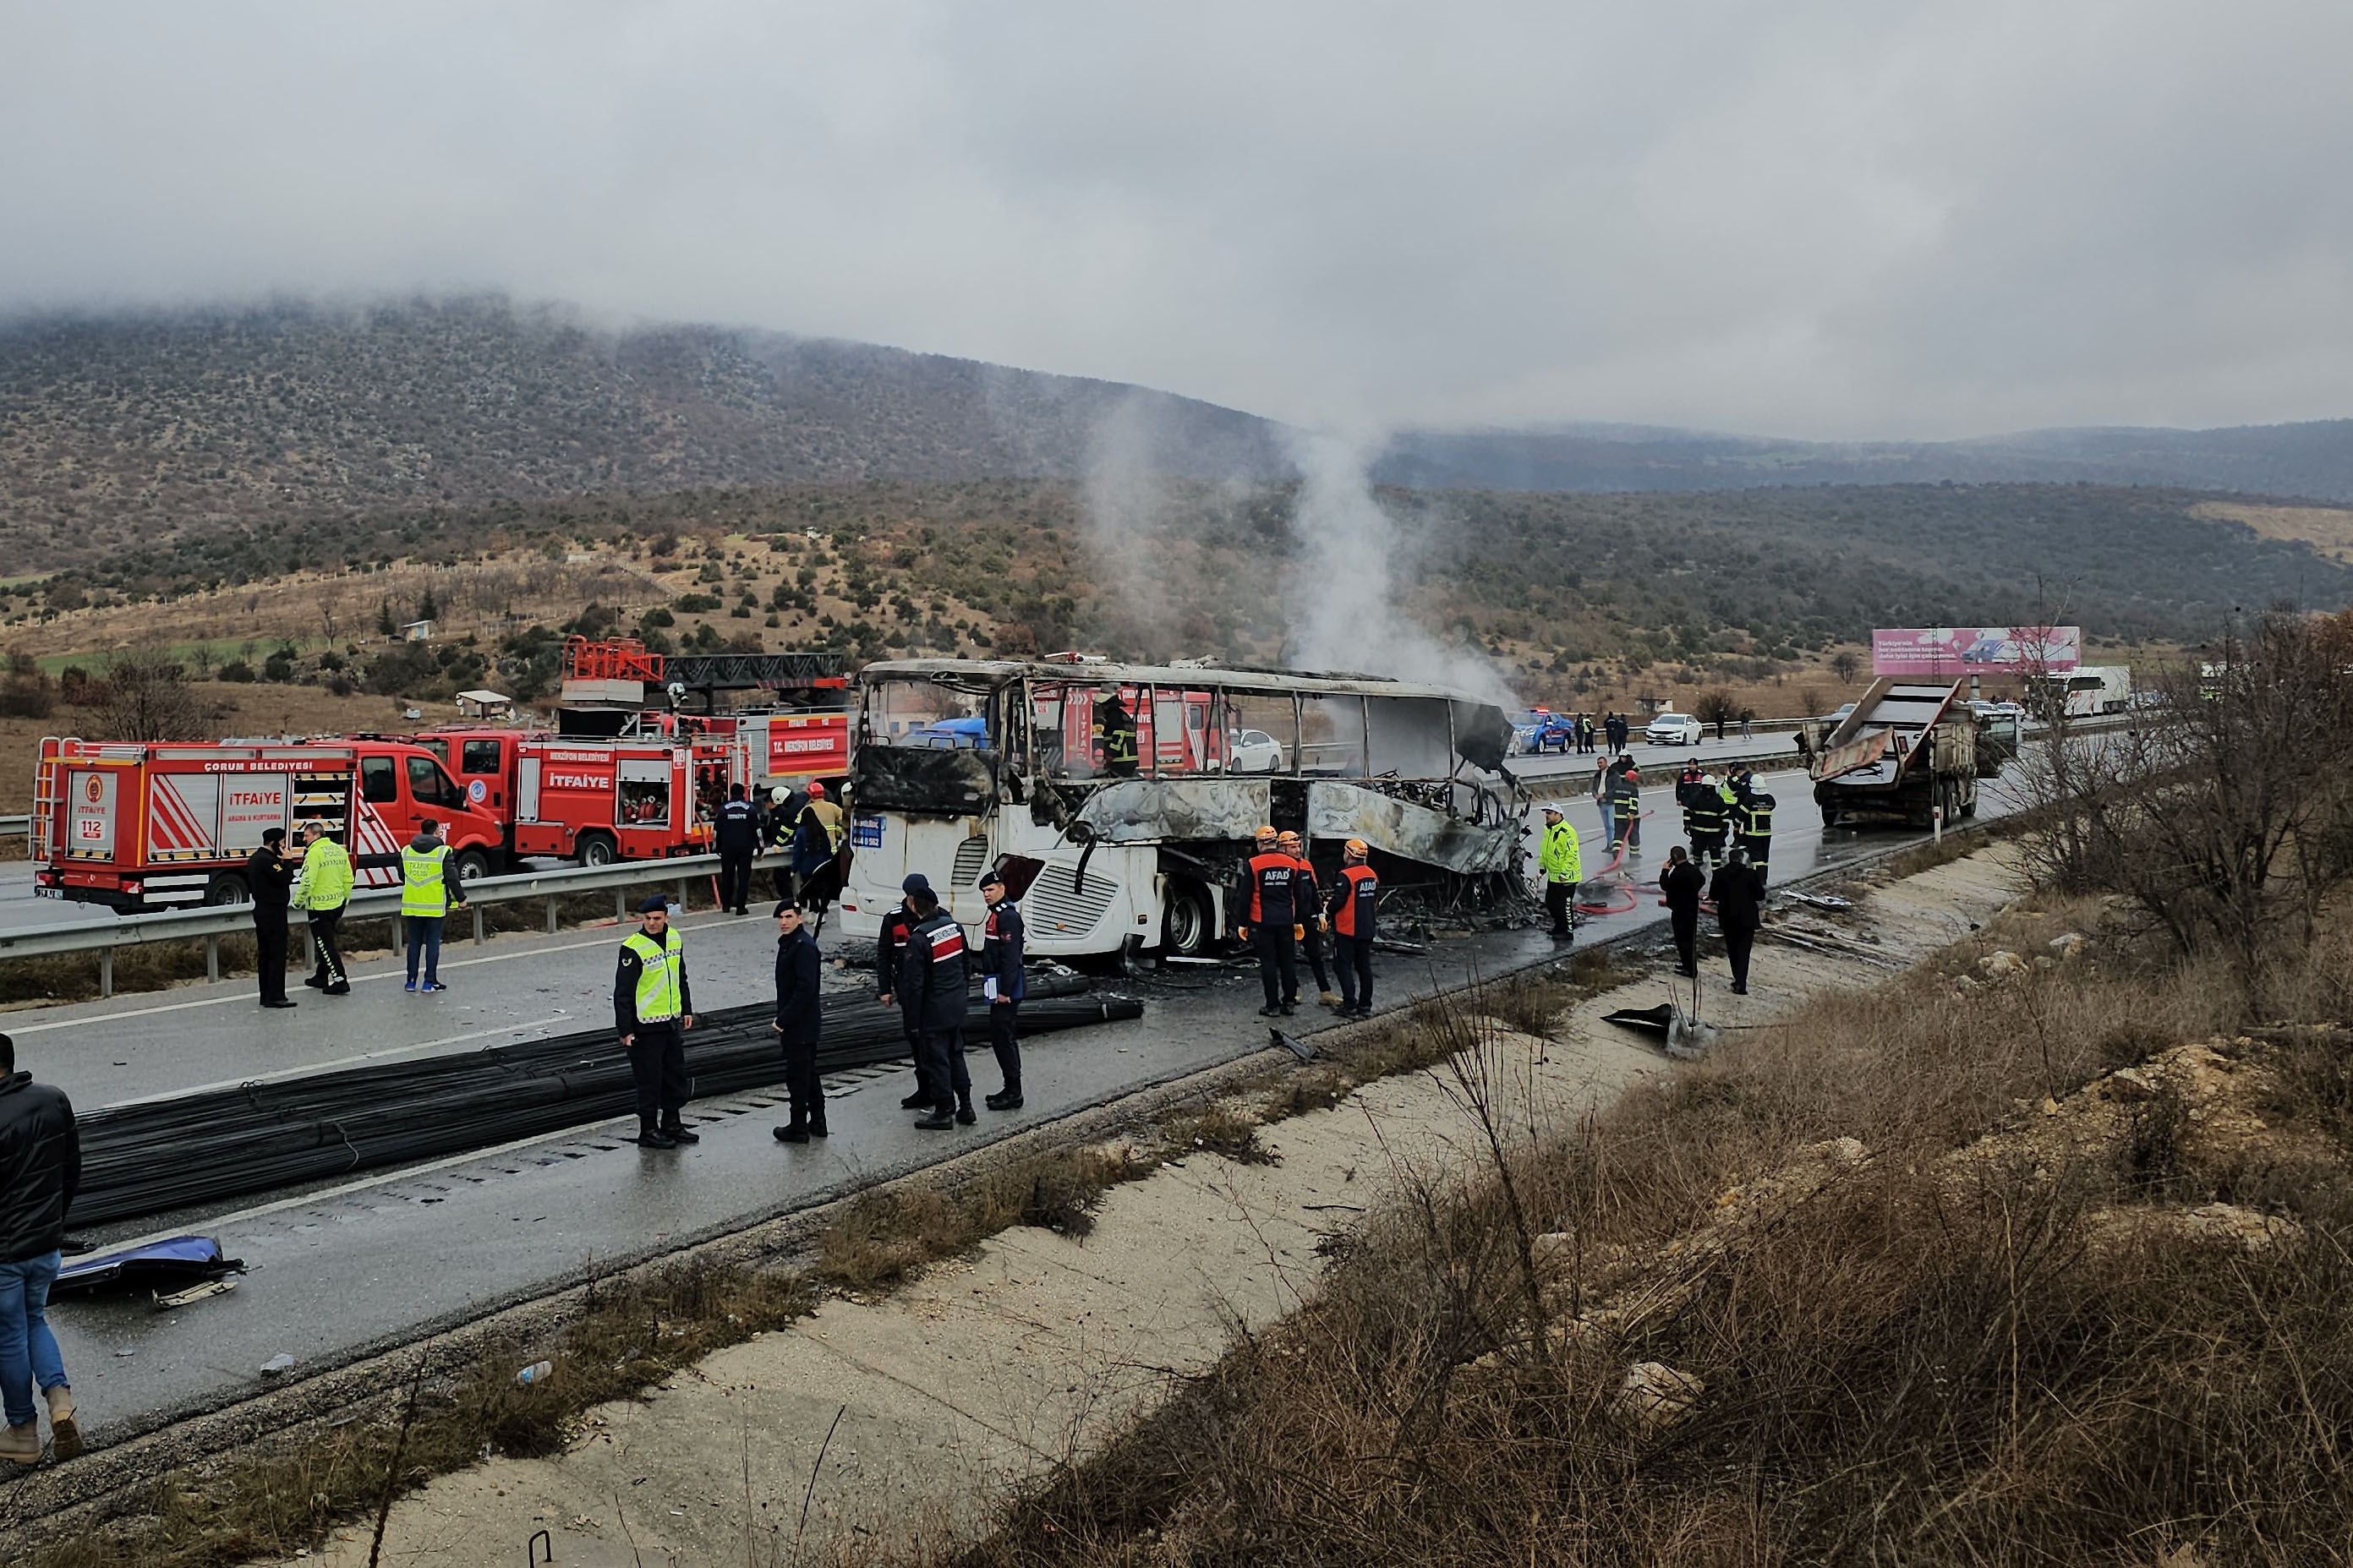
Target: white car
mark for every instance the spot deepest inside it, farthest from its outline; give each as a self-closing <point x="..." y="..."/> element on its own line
<point x="1672" y="730"/>
<point x="1253" y="752"/>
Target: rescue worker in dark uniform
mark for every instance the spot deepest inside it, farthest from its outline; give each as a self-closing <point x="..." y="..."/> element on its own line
<point x="776" y="833"/>
<point x="931" y="990"/>
<point x="1268" y="922"/>
<point x="896" y="925"/>
<point x="1753" y="835"/>
<point x="1351" y="915"/>
<point x="1114" y="736"/>
<point x="1687" y="794"/>
<point x="799" y="1020"/>
<point x="270" y="876"/>
<point x="1626" y="787"/>
<point x="1682" y="882"/>
<point x="652" y="1008"/>
<point x="738" y="834"/>
<point x="1707" y="821"/>
<point x="816" y="856"/>
<point x="1308" y="900"/>
<point x="1002" y="987"/>
<point x="1739" y="896"/>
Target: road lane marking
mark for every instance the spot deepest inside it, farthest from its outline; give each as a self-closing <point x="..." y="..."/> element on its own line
<point x="390" y="1053"/>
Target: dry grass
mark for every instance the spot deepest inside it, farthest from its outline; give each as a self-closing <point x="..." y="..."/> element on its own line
<point x="1911" y="1365"/>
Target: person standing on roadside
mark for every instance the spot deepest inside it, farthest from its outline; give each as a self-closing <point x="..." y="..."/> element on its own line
<point x="932" y="988"/>
<point x="270" y="876"/>
<point x="652" y="1008"/>
<point x="816" y="856"/>
<point x="1354" y="899"/>
<point x="1739" y="896"/>
<point x="897" y="925"/>
<point x="1627" y="786"/>
<point x="1682" y="882"/>
<point x="1563" y="866"/>
<point x="322" y="890"/>
<point x="429" y="887"/>
<point x="737" y="833"/>
<point x="40" y="1170"/>
<point x="776" y="834"/>
<point x="1308" y="898"/>
<point x="799" y="1021"/>
<point x="1003" y="985"/>
<point x="1266" y="896"/>
<point x="1605" y="801"/>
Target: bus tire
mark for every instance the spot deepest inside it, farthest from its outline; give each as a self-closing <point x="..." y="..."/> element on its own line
<point x="1186" y="925"/>
<point x="473" y="865"/>
<point x="227" y="887"/>
<point x="596" y="849"/>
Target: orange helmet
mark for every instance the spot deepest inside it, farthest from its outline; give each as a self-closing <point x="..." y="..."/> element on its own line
<point x="1288" y="839"/>
<point x="1265" y="836"/>
<point x="1358" y="849"/>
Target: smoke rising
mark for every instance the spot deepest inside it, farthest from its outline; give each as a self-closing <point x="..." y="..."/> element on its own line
<point x="1347" y="579"/>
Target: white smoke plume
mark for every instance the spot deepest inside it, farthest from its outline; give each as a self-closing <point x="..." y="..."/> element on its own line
<point x="1124" y="504"/>
<point x="1350" y="550"/>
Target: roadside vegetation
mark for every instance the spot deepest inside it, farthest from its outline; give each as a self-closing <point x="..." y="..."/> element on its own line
<point x="2036" y="1252"/>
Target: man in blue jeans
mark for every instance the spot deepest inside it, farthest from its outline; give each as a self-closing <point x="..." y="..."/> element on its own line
<point x="40" y="1169"/>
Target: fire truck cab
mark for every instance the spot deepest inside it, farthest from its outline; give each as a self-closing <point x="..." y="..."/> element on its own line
<point x="163" y="826"/>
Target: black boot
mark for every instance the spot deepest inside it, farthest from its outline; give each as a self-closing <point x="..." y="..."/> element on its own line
<point x="816" y="1128"/>
<point x="964" y="1112"/>
<point x="678" y="1132"/>
<point x="939" y="1121"/>
<point x="652" y="1137"/>
<point x="916" y="1101"/>
<point x="1004" y="1100"/>
<point x="796" y="1134"/>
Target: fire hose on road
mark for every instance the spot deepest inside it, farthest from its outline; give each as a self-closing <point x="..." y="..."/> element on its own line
<point x="205" y="1146"/>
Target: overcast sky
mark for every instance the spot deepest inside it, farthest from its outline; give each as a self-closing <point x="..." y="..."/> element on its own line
<point x="1820" y="219"/>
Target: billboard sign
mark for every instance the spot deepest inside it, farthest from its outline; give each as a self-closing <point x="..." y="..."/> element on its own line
<point x="1955" y="651"/>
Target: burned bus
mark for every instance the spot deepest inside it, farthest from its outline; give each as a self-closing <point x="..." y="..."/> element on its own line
<point x="1124" y="796"/>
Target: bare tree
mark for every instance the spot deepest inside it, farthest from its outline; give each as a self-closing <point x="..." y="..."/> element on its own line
<point x="2225" y="812"/>
<point x="1845" y="666"/>
<point x="148" y="697"/>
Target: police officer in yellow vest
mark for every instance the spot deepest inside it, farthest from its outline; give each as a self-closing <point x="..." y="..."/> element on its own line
<point x="322" y="887"/>
<point x="429" y="887"/>
<point x="652" y="1007"/>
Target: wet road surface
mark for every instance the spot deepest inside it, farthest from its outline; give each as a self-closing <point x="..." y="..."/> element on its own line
<point x="337" y="1272"/>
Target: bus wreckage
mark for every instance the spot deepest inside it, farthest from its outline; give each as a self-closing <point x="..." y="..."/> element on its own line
<point x="1124" y="797"/>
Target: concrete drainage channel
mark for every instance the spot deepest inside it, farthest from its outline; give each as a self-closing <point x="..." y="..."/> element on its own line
<point x="373" y="1376"/>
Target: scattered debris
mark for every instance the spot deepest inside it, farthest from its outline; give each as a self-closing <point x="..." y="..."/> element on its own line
<point x="1658" y="1396"/>
<point x="537" y="1372"/>
<point x="277" y="1365"/>
<point x="192" y="1295"/>
<point x="1999" y="962"/>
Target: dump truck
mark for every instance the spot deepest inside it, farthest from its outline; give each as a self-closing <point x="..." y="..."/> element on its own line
<point x="1905" y="753"/>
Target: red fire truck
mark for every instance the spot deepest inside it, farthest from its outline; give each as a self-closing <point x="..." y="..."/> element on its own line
<point x="147" y="827"/>
<point x="593" y="800"/>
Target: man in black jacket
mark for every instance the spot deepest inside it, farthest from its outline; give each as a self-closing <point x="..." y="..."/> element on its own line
<point x="1682" y="882"/>
<point x="896" y="925"/>
<point x="800" y="1015"/>
<point x="1739" y="894"/>
<point x="40" y="1170"/>
<point x="931" y="992"/>
<point x="271" y="874"/>
<point x="738" y="833"/>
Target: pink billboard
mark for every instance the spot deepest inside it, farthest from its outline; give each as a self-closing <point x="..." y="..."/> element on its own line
<point x="1955" y="651"/>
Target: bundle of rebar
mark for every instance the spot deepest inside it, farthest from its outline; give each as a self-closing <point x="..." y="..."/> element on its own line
<point x="204" y="1147"/>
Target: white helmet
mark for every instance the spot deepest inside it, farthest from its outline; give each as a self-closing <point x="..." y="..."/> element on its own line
<point x="1707" y="778"/>
<point x="778" y="795"/>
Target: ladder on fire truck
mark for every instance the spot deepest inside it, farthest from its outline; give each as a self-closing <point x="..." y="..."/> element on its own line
<point x="48" y="795"/>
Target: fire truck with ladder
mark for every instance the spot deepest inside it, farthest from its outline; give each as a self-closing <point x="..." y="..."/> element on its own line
<point x="617" y="781"/>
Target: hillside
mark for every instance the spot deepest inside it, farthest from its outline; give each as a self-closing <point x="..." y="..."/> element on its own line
<point x="2311" y="459"/>
<point x="1579" y="600"/>
<point x="123" y="426"/>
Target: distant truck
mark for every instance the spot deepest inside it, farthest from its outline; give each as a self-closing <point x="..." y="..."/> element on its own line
<point x="165" y="826"/>
<point x="1907" y="752"/>
<point x="2083" y="692"/>
<point x="594" y="801"/>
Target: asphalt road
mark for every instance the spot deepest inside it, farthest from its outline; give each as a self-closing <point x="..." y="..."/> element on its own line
<point x="337" y="1273"/>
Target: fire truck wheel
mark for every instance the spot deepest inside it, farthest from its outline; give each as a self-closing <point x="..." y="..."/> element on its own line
<point x="227" y="887"/>
<point x="473" y="865"/>
<point x="596" y="849"/>
<point x="1185" y="928"/>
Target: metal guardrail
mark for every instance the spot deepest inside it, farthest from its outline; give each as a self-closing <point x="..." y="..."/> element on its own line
<point x="211" y="923"/>
<point x="16" y="827"/>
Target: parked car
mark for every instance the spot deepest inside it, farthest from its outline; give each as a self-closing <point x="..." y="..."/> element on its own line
<point x="1673" y="730"/>
<point x="1253" y="752"/>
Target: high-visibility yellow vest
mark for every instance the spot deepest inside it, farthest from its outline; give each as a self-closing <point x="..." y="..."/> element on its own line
<point x="423" y="894"/>
<point x="660" y="998"/>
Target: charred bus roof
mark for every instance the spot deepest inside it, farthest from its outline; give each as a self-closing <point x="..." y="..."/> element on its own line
<point x="984" y="674"/>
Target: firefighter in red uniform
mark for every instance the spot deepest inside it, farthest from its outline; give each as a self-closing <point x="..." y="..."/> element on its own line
<point x="1354" y="896"/>
<point x="1267" y="896"/>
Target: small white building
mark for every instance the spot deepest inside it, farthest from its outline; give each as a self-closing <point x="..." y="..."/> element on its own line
<point x="417" y="631"/>
<point x="484" y="705"/>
